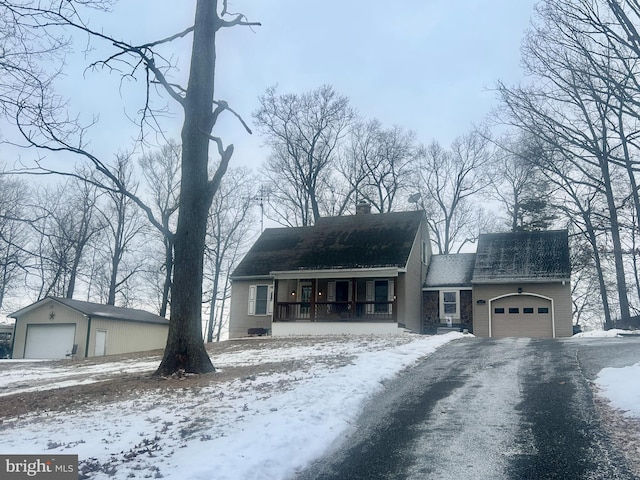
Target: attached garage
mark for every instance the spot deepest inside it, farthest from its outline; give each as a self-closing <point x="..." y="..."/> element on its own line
<point x="521" y="285"/>
<point x="49" y="341"/>
<point x="521" y="316"/>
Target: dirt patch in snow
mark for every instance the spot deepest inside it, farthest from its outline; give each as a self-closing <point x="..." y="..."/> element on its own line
<point x="123" y="385"/>
<point x="624" y="432"/>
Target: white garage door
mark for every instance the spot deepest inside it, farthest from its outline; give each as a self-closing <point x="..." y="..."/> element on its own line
<point x="49" y="341"/>
<point x="521" y="316"/>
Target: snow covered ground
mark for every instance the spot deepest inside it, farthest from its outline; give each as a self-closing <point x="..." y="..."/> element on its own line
<point x="620" y="386"/>
<point x="261" y="426"/>
<point x="264" y="426"/>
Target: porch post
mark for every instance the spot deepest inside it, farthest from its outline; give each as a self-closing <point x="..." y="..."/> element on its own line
<point x="312" y="304"/>
<point x="354" y="294"/>
<point x="276" y="310"/>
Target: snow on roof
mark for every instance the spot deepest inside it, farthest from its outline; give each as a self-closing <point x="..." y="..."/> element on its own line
<point x="523" y="255"/>
<point x="450" y="270"/>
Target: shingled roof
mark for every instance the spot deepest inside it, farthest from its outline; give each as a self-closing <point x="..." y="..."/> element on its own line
<point x="453" y="270"/>
<point x="99" y="310"/>
<point x="533" y="256"/>
<point x="346" y="242"/>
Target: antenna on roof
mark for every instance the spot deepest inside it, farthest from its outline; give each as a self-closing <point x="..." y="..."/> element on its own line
<point x="260" y="197"/>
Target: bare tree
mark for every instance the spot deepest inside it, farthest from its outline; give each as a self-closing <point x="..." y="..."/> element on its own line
<point x="519" y="185"/>
<point x="14" y="236"/>
<point x="66" y="222"/>
<point x="123" y="227"/>
<point x="303" y="132"/>
<point x="44" y="123"/>
<point x="376" y="165"/>
<point x="161" y="170"/>
<point x="574" y="108"/>
<point x="447" y="182"/>
<point x="231" y="228"/>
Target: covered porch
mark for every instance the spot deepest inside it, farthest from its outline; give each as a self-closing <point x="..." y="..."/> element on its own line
<point x="336" y="299"/>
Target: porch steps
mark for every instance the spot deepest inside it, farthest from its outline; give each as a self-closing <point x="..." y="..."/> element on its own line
<point x="444" y="330"/>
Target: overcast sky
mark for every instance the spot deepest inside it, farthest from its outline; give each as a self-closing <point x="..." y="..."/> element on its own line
<point x="426" y="65"/>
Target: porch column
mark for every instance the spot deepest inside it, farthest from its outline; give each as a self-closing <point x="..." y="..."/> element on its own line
<point x="354" y="295"/>
<point x="276" y="309"/>
<point x="312" y="304"/>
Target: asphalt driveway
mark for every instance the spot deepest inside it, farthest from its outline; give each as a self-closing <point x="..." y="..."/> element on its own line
<point x="488" y="409"/>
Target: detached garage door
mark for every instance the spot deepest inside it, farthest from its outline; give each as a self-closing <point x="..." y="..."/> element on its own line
<point x="49" y="341"/>
<point x="521" y="316"/>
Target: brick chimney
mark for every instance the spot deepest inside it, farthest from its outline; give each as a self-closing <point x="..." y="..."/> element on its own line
<point x="363" y="208"/>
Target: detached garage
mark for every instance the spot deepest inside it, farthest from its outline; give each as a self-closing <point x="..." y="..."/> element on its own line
<point x="55" y="328"/>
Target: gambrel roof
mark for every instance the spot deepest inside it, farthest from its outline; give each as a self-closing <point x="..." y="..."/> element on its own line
<point x="522" y="256"/>
<point x="345" y="242"/>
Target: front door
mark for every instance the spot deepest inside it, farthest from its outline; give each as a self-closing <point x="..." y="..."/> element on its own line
<point x="306" y="292"/>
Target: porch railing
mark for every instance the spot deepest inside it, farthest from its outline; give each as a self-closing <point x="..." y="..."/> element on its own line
<point x="335" y="312"/>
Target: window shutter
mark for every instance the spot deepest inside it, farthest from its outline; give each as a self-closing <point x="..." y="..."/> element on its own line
<point x="270" y="300"/>
<point x="252" y="299"/>
<point x="331" y="292"/>
<point x="391" y="294"/>
<point x="370" y="290"/>
<point x="350" y="291"/>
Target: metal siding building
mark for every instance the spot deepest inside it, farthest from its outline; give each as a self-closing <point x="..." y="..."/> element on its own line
<point x="55" y="327"/>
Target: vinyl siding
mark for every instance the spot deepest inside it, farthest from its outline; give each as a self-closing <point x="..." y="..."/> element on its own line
<point x="409" y="285"/>
<point x="561" y="295"/>
<point x="239" y="319"/>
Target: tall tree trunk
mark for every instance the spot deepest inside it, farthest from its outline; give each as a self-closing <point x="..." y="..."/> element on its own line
<point x="214" y="296"/>
<point x="591" y="235"/>
<point x="185" y="346"/>
<point x="113" y="278"/>
<point x="166" y="287"/>
<point x="621" y="281"/>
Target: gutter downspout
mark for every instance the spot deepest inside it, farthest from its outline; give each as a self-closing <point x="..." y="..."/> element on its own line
<point x="86" y="347"/>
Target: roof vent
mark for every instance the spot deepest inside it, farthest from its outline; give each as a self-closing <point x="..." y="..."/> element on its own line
<point x="363" y="208"/>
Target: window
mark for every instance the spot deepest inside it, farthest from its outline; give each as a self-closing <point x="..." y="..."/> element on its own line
<point x="260" y="297"/>
<point x="498" y="310"/>
<point x="449" y="304"/>
<point x="514" y="310"/>
<point x="543" y="310"/>
<point x="527" y="310"/>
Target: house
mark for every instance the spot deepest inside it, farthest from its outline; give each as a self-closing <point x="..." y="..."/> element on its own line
<point x="351" y="274"/>
<point x="515" y="285"/>
<point x="374" y="273"/>
<point x="62" y="328"/>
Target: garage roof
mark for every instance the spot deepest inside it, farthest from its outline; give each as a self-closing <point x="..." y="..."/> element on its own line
<point x="532" y="256"/>
<point x="99" y="310"/>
